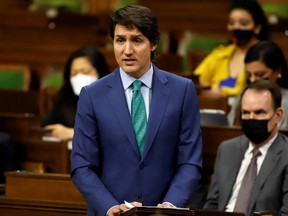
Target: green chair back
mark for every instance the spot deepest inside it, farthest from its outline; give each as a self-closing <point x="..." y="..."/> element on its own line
<point x="12" y="80"/>
<point x="53" y="80"/>
<point x="15" y="77"/>
<point x="72" y="5"/>
<point x="202" y="44"/>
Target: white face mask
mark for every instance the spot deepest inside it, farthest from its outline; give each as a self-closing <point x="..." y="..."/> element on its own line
<point x="81" y="80"/>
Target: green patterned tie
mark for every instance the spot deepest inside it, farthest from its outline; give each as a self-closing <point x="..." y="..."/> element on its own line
<point x="138" y="114"/>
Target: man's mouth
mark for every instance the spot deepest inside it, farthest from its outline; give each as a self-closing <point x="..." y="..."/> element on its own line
<point x="129" y="61"/>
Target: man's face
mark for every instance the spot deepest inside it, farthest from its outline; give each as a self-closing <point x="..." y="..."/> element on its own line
<point x="132" y="50"/>
<point x="259" y="105"/>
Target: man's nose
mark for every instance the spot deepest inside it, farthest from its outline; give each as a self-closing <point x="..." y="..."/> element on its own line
<point x="128" y="48"/>
<point x="251" y="115"/>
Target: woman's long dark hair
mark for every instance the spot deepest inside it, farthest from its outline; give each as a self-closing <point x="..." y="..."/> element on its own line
<point x="257" y="13"/>
<point x="65" y="99"/>
<point x="270" y="54"/>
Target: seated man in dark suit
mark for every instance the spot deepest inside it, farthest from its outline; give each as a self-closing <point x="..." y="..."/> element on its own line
<point x="231" y="189"/>
<point x="7" y="155"/>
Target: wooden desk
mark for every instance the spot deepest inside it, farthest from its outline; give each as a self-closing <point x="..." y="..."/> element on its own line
<point x="212" y="136"/>
<point x="18" y="111"/>
<point x="207" y="99"/>
<point x="54" y="155"/>
<point x="19" y="102"/>
<point x="151" y="211"/>
<point x="18" y="124"/>
<point x="41" y="195"/>
<point x="42" y="187"/>
<point x="30" y="146"/>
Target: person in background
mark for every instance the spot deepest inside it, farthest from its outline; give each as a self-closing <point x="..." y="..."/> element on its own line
<point x="8" y="161"/>
<point x="83" y="67"/>
<point x="223" y="69"/>
<point x="261" y="113"/>
<point x="116" y="153"/>
<point x="264" y="60"/>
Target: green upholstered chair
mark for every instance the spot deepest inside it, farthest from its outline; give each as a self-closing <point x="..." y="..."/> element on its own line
<point x="15" y="77"/>
<point x="278" y="9"/>
<point x="71" y="5"/>
<point x="54" y="80"/>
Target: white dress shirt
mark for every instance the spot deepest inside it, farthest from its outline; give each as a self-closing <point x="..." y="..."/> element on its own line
<point x="244" y="165"/>
<point x="146" y="88"/>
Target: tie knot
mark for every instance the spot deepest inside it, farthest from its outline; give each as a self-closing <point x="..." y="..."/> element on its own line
<point x="136" y="85"/>
<point x="256" y="152"/>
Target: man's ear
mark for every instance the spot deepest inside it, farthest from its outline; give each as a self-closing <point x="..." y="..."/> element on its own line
<point x="279" y="114"/>
<point x="153" y="47"/>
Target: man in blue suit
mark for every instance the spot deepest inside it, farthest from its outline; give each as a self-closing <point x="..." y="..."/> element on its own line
<point x="107" y="165"/>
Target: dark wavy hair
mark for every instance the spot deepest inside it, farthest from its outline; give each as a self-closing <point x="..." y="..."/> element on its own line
<point x="139" y="17"/>
<point x="65" y="99"/>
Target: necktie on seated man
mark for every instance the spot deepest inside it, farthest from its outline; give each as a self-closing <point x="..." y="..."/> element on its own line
<point x="248" y="182"/>
<point x="138" y="114"/>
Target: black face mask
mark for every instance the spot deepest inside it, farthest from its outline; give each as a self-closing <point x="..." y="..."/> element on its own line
<point x="241" y="37"/>
<point x="256" y="130"/>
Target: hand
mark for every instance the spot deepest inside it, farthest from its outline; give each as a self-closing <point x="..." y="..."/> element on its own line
<point x="166" y="205"/>
<point x="216" y="90"/>
<point x="60" y="131"/>
<point x="114" y="211"/>
<point x="118" y="209"/>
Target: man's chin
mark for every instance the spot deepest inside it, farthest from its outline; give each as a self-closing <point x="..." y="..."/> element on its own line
<point x="129" y="69"/>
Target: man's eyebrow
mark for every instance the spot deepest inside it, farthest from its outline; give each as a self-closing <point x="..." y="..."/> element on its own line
<point x="257" y="110"/>
<point x="118" y="35"/>
<point x="260" y="110"/>
<point x="133" y="36"/>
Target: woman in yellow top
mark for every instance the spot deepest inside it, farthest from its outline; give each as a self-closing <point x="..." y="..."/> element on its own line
<point x="223" y="69"/>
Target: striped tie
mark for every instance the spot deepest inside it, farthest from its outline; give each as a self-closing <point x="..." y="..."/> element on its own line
<point x="248" y="182"/>
<point x="138" y="114"/>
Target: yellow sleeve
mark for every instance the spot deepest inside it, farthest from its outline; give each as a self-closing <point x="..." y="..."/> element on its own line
<point x="206" y="68"/>
<point x="204" y="65"/>
<point x="214" y="66"/>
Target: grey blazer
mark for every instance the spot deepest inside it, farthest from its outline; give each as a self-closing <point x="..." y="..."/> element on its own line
<point x="271" y="188"/>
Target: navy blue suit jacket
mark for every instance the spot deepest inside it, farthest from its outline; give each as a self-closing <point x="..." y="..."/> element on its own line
<point x="107" y="167"/>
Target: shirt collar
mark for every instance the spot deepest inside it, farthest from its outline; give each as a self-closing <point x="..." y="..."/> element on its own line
<point x="146" y="79"/>
<point x="263" y="149"/>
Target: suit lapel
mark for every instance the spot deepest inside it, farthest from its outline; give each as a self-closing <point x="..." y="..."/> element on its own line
<point x="117" y="100"/>
<point x="159" y="100"/>
<point x="158" y="104"/>
<point x="267" y="167"/>
<point x="233" y="169"/>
